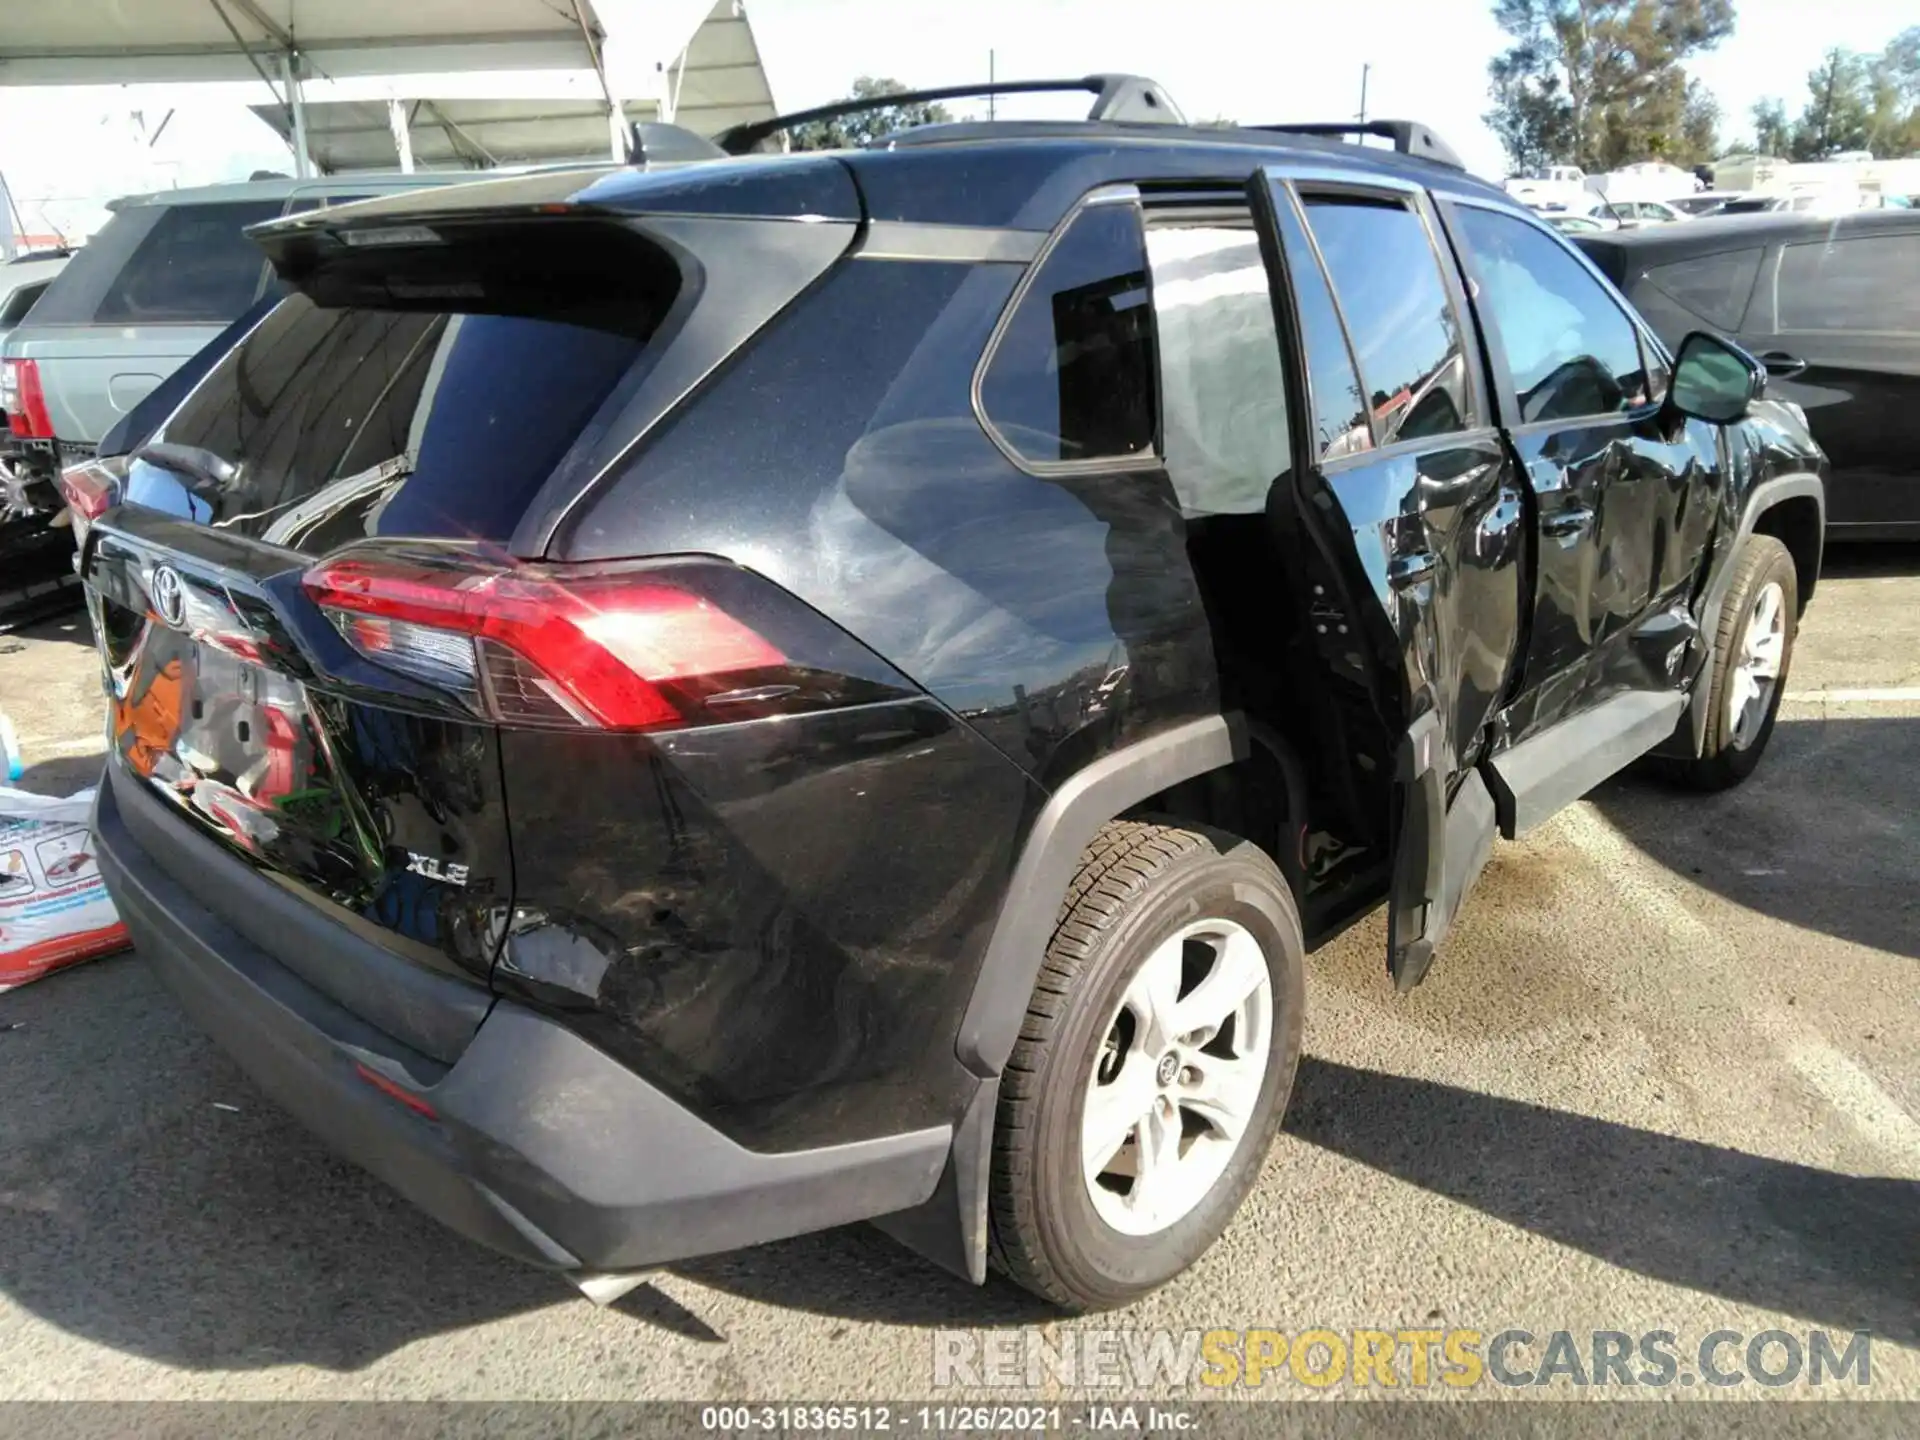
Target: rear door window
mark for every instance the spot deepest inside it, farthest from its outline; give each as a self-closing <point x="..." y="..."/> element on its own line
<point x="1223" y="395"/>
<point x="1340" y="413"/>
<point x="1071" y="377"/>
<point x="1868" y="283"/>
<point x="1405" y="334"/>
<point x="163" y="265"/>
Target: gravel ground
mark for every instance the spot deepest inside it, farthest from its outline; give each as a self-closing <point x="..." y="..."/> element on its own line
<point x="1665" y="1075"/>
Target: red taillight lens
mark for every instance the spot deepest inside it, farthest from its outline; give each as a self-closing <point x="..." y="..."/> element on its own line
<point x="91" y="489"/>
<point x="540" y="644"/>
<point x="26" y="401"/>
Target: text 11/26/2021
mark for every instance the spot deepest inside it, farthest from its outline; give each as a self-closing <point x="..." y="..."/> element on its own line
<point x="949" y="1419"/>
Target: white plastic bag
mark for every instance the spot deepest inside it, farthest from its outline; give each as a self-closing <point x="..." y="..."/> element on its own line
<point x="54" y="908"/>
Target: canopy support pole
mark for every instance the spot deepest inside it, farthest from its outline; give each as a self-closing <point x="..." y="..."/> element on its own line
<point x="402" y="134"/>
<point x="620" y="136"/>
<point x="297" y="105"/>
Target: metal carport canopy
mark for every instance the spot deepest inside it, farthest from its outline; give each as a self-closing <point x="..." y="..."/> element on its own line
<point x="93" y="42"/>
<point x="636" y="48"/>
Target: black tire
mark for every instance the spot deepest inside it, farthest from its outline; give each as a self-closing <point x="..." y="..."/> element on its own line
<point x="1726" y="759"/>
<point x="1137" y="885"/>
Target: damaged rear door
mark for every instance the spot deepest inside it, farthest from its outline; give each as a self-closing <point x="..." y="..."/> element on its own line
<point x="1409" y="477"/>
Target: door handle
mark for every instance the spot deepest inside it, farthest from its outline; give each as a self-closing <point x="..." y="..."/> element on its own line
<point x="1412" y="569"/>
<point x="1563" y="524"/>
<point x="1781" y="365"/>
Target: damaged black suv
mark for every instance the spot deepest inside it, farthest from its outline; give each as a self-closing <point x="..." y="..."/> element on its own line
<point x="663" y="709"/>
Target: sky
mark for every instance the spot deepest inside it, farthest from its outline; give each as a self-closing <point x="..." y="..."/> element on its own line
<point x="1247" y="60"/>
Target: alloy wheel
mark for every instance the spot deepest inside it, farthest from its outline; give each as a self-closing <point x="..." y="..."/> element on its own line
<point x="1178" y="1078"/>
<point x="1756" y="672"/>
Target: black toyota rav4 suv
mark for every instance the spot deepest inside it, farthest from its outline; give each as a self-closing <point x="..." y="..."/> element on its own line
<point x="662" y="711"/>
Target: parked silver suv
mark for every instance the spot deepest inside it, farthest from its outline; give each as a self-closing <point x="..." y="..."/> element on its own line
<point x="164" y="276"/>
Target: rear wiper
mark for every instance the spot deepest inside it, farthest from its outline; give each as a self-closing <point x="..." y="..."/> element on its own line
<point x="209" y="471"/>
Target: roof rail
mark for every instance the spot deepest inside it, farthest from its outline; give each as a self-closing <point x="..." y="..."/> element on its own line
<point x="1130" y="98"/>
<point x="1409" y="137"/>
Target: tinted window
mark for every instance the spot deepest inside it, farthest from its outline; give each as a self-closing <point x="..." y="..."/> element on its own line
<point x="1714" y="287"/>
<point x="16" y="306"/>
<point x="163" y="264"/>
<point x="1072" y="378"/>
<point x="76" y="290"/>
<point x="1571" y="349"/>
<point x="1867" y="283"/>
<point x="347" y="423"/>
<point x="1339" y="408"/>
<point x="1405" y="336"/>
<point x="1223" y="399"/>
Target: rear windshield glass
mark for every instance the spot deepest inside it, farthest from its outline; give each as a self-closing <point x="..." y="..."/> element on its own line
<point x="163" y="265"/>
<point x="345" y="423"/>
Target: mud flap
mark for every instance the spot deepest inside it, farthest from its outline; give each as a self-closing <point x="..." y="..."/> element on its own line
<point x="1439" y="852"/>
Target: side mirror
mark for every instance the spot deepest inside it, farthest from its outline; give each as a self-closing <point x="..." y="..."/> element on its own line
<point x="1714" y="379"/>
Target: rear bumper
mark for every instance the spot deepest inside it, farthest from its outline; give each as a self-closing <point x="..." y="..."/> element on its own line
<point x="540" y="1145"/>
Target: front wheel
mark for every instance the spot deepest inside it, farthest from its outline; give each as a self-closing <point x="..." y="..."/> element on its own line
<point x="1153" y="1068"/>
<point x="1751" y="652"/>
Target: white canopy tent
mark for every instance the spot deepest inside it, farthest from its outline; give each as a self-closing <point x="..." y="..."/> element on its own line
<point x="432" y="70"/>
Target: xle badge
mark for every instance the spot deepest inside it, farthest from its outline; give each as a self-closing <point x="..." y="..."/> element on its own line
<point x="434" y="869"/>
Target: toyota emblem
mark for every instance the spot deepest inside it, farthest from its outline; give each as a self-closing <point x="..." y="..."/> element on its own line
<point x="169" y="595"/>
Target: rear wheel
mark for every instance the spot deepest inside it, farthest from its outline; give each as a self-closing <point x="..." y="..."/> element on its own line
<point x="1751" y="652"/>
<point x="1153" y="1068"/>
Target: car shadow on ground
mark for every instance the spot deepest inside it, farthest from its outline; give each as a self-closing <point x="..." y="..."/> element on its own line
<point x="140" y="1214"/>
<point x="62" y="621"/>
<point x="153" y="1202"/>
<point x="1842" y="1251"/>
<point x="1825" y="835"/>
<point x="65" y="776"/>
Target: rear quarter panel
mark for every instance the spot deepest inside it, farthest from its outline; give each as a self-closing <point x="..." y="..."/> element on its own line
<point x="1861" y="394"/>
<point x="777" y="922"/>
<point x="93" y="375"/>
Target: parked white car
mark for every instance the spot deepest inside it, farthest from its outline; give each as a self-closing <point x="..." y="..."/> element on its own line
<point x="1705" y="202"/>
<point x="1551" y="187"/>
<point x="1580" y="224"/>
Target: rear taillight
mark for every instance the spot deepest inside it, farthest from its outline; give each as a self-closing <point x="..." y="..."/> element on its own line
<point x="24" y="400"/>
<point x="90" y="489"/>
<point x="600" y="647"/>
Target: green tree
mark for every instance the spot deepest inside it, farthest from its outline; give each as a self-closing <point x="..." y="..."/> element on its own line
<point x="1599" y="83"/>
<point x="1772" y="131"/>
<point x="1531" y="112"/>
<point x="1896" y="82"/>
<point x="1699" y="127"/>
<point x="1839" y="110"/>
<point x="867" y="125"/>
